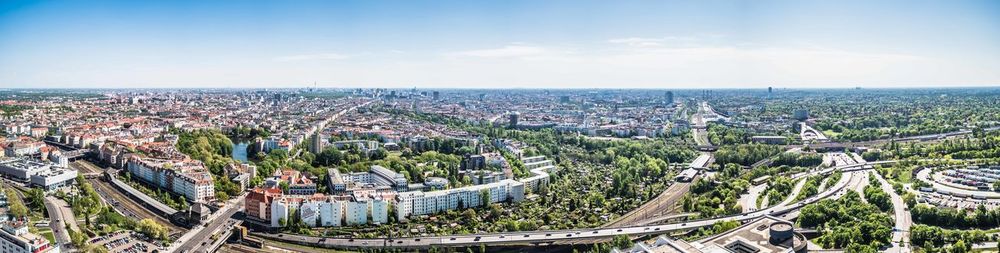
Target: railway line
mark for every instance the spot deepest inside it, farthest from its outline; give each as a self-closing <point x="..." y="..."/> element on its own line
<point x="128" y="207"/>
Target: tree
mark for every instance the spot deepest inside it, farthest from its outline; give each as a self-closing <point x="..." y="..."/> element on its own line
<point x="17" y="207"/>
<point x="152" y="229"/>
<point x="484" y="196"/>
<point x="223" y="196"/>
<point x="184" y="203"/>
<point x="960" y="247"/>
<point x="621" y="242"/>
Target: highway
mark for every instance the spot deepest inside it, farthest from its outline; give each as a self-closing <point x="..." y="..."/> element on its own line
<point x="574" y="235"/>
<point x="927" y="137"/>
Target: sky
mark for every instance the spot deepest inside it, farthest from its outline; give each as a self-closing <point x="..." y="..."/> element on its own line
<point x="499" y="44"/>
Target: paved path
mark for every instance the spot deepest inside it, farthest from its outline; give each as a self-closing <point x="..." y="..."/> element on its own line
<point x="901" y="232"/>
<point x="749" y="201"/>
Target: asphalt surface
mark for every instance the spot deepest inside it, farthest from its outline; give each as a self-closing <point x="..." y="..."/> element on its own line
<point x="925" y="175"/>
<point x="901" y="232"/>
<point x="60" y="215"/>
<point x="201" y="238"/>
<point x="749" y="201"/>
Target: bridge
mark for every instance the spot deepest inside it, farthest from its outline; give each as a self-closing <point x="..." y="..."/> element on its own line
<point x="572" y="236"/>
<point x="71" y="152"/>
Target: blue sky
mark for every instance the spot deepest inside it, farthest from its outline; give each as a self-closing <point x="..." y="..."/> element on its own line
<point x="499" y="44"/>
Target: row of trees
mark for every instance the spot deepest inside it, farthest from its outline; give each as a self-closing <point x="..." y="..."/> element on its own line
<point x="248" y="133"/>
<point x="779" y="188"/>
<point x="955" y="218"/>
<point x="933" y="239"/>
<point x="798" y="159"/>
<point x="811" y="187"/>
<point x="16" y="206"/>
<point x="848" y="223"/>
<point x="712" y="198"/>
<point x="985" y="145"/>
<point x="165" y="197"/>
<point x="876" y="196"/>
<point x="745" y="154"/>
<point x="719" y="134"/>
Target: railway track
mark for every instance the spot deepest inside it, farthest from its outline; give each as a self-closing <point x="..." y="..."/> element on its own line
<point x="662" y="204"/>
<point x="122" y="203"/>
<point x="129" y="207"/>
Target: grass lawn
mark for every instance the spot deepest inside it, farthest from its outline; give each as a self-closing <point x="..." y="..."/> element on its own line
<point x="830" y="134"/>
<point x="48" y="235"/>
<point x="905" y="176"/>
<point x="395" y="154"/>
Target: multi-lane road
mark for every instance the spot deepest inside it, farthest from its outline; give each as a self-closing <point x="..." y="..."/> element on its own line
<point x="200" y="239"/>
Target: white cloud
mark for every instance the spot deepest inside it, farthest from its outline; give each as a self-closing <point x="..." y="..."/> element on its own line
<point x="661" y="41"/>
<point x="699" y="64"/>
<point x="306" y="57"/>
<point x="517" y="50"/>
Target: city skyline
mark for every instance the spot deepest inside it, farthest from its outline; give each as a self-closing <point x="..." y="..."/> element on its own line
<point x="553" y="45"/>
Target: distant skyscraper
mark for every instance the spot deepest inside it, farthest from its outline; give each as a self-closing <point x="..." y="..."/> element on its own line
<point x="801" y="114"/>
<point x="277" y="99"/>
<point x="769" y="89"/>
<point x="564" y="99"/>
<point x="437" y="95"/>
<point x="670" y="97"/>
<point x="513" y="119"/>
<point x="316" y="143"/>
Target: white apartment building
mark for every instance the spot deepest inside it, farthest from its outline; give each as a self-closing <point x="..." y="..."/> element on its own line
<point x="356" y="213"/>
<point x="188" y="179"/>
<point x="331" y="213"/>
<point x="380" y="211"/>
<point x="279" y="213"/>
<point x="422" y="203"/>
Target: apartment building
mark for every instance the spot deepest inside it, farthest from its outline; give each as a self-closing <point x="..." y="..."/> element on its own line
<point x="186" y="178"/>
